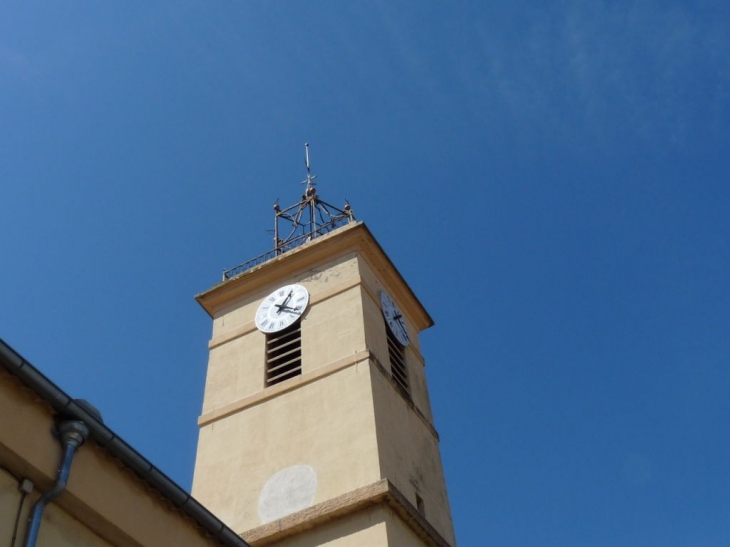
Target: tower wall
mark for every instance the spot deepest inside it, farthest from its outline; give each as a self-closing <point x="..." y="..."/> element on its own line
<point x="323" y="431"/>
<point x="316" y="452"/>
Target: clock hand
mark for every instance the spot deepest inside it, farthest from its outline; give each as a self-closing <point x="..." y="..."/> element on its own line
<point x="402" y="325"/>
<point x="282" y="307"/>
<point x="284" y="303"/>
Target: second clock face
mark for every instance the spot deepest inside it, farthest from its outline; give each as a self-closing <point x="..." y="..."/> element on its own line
<point x="394" y="318"/>
<point x="282" y="308"/>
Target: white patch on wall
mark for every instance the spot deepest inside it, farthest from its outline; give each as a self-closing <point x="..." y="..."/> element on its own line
<point x="286" y="492"/>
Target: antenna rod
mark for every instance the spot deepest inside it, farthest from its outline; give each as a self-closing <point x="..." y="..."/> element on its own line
<point x="310" y="195"/>
<point x="306" y="162"/>
<point x="306" y="155"/>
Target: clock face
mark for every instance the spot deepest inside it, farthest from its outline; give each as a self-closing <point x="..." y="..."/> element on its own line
<point x="282" y="308"/>
<point x="394" y="318"/>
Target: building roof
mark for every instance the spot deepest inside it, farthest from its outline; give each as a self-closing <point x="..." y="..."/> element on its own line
<point x="107" y="439"/>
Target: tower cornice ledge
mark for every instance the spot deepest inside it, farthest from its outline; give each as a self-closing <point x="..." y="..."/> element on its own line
<point x="381" y="492"/>
<point x="351" y="237"/>
<point x="299" y="381"/>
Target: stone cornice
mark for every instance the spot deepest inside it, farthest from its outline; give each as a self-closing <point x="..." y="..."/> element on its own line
<point x="308" y="378"/>
<point x="284" y="387"/>
<point x="381" y="492"/>
<point x="352" y="237"/>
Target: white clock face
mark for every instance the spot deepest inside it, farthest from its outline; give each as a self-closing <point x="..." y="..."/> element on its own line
<point x="282" y="308"/>
<point x="394" y="318"/>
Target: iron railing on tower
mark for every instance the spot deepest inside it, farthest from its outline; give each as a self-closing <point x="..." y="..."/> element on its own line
<point x="304" y="221"/>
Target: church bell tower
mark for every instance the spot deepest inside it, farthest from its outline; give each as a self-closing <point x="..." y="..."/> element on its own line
<point x="316" y="426"/>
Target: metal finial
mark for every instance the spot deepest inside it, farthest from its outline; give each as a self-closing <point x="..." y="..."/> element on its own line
<point x="310" y="178"/>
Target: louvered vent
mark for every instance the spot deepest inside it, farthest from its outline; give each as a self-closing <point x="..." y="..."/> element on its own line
<point x="398" y="368"/>
<point x="284" y="354"/>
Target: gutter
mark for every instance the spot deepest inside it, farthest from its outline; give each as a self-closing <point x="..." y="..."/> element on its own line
<point x="61" y="402"/>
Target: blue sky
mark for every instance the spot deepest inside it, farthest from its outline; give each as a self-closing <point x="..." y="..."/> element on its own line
<point x="550" y="178"/>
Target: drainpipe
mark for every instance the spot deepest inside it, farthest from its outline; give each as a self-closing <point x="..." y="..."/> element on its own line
<point x="72" y="434"/>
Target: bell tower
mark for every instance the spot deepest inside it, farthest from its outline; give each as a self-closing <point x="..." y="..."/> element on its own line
<point x="316" y="426"/>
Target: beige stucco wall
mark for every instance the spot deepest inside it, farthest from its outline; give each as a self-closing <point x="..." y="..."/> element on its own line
<point x="370" y="525"/>
<point x="334" y="272"/>
<point x="104" y="503"/>
<point x="327" y="425"/>
<point x="231" y="377"/>
<point x="9" y="502"/>
<point x="343" y="417"/>
<point x="58" y="528"/>
<point x="408" y="444"/>
<point x="410" y="456"/>
<point x="399" y="533"/>
<point x="365" y="528"/>
<point x="375" y="283"/>
<point x="375" y="330"/>
<point x="236" y="365"/>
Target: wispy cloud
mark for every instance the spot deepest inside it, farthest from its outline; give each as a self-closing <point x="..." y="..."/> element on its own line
<point x="653" y="71"/>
